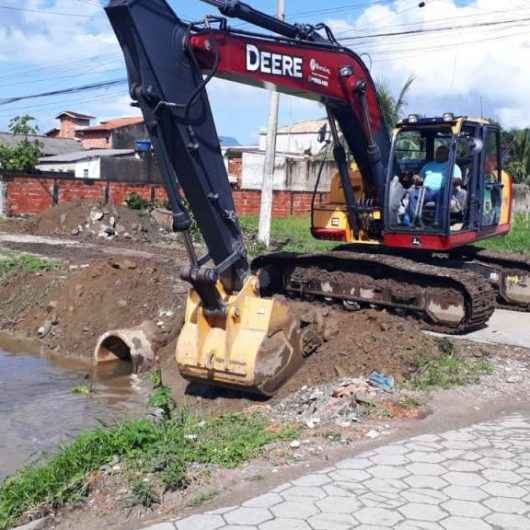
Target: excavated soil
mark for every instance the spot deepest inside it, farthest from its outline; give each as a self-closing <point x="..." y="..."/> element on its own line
<point x="77" y="304"/>
<point x="360" y="342"/>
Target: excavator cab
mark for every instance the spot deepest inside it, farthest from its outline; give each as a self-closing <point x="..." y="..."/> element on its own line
<point x="424" y="208"/>
<point x="445" y="183"/>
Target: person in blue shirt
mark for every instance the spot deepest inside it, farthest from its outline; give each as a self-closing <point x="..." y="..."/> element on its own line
<point x="433" y="176"/>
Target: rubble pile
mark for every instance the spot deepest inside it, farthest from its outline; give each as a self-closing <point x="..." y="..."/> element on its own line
<point x="95" y="220"/>
<point x="341" y="402"/>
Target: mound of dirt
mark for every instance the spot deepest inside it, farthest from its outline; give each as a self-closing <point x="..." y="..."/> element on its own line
<point x="91" y="219"/>
<point x="361" y="342"/>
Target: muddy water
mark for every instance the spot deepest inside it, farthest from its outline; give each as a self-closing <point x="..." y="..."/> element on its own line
<point x="39" y="411"/>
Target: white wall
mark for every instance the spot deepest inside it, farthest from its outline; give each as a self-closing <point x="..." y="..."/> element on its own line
<point x="293" y="173"/>
<point x="88" y="169"/>
<point x="3" y="202"/>
<point x="252" y="171"/>
<point x="293" y="142"/>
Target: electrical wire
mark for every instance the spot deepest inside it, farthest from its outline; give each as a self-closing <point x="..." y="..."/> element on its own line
<point x="44" y="12"/>
<point x="71" y="90"/>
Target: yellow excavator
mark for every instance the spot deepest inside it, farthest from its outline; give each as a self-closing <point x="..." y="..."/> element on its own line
<point x="401" y="243"/>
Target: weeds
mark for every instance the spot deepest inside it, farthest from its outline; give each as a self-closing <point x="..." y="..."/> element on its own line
<point x="85" y="389"/>
<point x="201" y="498"/>
<point x="164" y="449"/>
<point x="448" y="371"/>
<point x="142" y="493"/>
<point x="26" y="263"/>
<point x="136" y="202"/>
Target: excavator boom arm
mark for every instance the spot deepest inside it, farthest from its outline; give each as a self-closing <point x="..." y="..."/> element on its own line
<point x="166" y="60"/>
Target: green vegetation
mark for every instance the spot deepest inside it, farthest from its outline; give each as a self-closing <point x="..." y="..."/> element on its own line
<point x="392" y="107"/>
<point x="518" y="240"/>
<point x="290" y="233"/>
<point x="448" y="371"/>
<point x="26" y="263"/>
<point x="85" y="389"/>
<point x="25" y="155"/>
<point x="516" y="143"/>
<point x="163" y="450"/>
<point x="136" y="202"/>
<point x="201" y="498"/>
<point x="142" y="492"/>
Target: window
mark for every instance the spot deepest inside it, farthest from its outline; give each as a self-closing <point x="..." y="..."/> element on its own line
<point x="491" y="201"/>
<point x="411" y="146"/>
<point x="85" y="173"/>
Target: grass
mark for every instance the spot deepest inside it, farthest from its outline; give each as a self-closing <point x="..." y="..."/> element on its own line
<point x="518" y="240"/>
<point x="84" y="389"/>
<point x="201" y="498"/>
<point x="448" y="371"/>
<point x="26" y="263"/>
<point x="163" y="450"/>
<point x="294" y="230"/>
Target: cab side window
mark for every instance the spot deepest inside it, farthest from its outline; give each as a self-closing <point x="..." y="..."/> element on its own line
<point x="491" y="204"/>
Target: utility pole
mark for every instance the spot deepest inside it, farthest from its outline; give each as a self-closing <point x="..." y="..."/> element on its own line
<point x="265" y="211"/>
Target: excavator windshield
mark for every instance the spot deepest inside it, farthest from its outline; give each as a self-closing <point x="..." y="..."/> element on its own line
<point x="429" y="178"/>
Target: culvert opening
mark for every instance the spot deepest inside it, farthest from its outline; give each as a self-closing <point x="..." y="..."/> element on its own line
<point x="113" y="348"/>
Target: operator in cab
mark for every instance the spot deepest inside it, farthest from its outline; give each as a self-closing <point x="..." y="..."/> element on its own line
<point x="433" y="178"/>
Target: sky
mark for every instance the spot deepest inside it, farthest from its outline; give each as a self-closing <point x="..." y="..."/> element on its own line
<point x="55" y="44"/>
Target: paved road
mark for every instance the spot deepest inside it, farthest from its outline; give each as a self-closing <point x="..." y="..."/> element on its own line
<point x="470" y="479"/>
<point x="504" y="327"/>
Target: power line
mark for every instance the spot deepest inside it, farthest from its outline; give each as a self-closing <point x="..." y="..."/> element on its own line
<point x="71" y="90"/>
<point x="43" y="12"/>
<point x="436" y="30"/>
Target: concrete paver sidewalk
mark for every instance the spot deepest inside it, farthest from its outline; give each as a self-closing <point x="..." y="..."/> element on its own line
<point x="469" y="479"/>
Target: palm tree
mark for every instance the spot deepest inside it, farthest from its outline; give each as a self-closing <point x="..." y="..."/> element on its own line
<point x="392" y="108"/>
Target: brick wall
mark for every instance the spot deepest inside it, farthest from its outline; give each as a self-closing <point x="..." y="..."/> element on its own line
<point x="31" y="195"/>
<point x="95" y="139"/>
<point x="284" y="203"/>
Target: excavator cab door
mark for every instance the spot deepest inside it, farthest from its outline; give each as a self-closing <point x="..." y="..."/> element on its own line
<point x="490" y="189"/>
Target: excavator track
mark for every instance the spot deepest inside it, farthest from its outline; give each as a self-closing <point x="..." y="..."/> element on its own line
<point x="509" y="274"/>
<point x="443" y="300"/>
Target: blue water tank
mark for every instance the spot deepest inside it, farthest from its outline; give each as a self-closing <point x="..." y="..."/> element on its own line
<point x="143" y="146"/>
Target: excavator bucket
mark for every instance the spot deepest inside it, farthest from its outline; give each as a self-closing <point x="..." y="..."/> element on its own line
<point x="256" y="347"/>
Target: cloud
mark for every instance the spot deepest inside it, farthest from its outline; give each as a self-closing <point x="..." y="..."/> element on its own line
<point x="463" y="66"/>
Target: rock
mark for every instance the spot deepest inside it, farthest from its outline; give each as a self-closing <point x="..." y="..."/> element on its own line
<point x="112" y="221"/>
<point x="514" y="379"/>
<point x="162" y="217"/>
<point x="295" y="444"/>
<point x="123" y="264"/>
<point x="62" y="218"/>
<point x="372" y="434"/>
<point x="44" y="329"/>
<point x="75" y="231"/>
<point x="96" y="215"/>
<point x="52" y="305"/>
<point x="122" y="303"/>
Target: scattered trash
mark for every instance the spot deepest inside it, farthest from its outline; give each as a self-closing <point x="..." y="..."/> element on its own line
<point x="295" y="444"/>
<point x="372" y="434"/>
<point x="382" y="381"/>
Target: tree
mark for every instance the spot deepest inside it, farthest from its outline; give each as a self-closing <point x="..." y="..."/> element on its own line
<point x="24" y="156"/>
<point x="392" y="108"/>
<point x="517" y="147"/>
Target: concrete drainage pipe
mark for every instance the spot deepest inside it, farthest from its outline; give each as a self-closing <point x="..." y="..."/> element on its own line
<point x="136" y="345"/>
